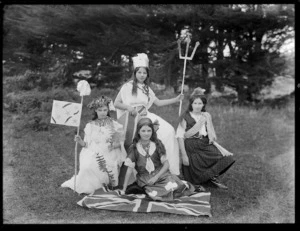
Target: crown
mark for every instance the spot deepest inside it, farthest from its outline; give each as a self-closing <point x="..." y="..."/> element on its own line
<point x="140" y="60"/>
<point x="100" y="102"/>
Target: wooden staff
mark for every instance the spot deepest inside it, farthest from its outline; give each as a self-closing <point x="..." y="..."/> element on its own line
<point x="76" y="150"/>
<point x="185" y="58"/>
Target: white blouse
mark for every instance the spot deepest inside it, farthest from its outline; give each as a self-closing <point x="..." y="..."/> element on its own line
<point x="182" y="126"/>
<point x="125" y="94"/>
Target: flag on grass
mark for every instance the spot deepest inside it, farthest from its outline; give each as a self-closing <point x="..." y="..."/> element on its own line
<point x="66" y="113"/>
<point x="197" y="204"/>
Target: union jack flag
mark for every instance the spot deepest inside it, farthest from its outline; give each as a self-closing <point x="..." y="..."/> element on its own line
<point x="197" y="204"/>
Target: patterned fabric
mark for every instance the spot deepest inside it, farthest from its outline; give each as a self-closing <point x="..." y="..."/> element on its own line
<point x="197" y="204"/>
<point x="98" y="165"/>
<point x="206" y="160"/>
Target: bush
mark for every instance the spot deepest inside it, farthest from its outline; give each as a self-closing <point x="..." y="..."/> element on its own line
<point x="34" y="107"/>
<point x="32" y="80"/>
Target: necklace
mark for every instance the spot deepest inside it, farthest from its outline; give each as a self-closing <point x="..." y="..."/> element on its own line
<point x="103" y="121"/>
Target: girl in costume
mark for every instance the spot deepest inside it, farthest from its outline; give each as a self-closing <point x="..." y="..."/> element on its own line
<point x="147" y="155"/>
<point x="133" y="102"/>
<point x="203" y="159"/>
<point x="103" y="150"/>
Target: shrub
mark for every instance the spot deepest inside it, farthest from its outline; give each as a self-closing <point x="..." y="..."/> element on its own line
<point x="31" y="80"/>
<point x="34" y="107"/>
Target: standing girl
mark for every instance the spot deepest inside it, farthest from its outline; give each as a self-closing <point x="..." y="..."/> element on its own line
<point x="103" y="151"/>
<point x="147" y="155"/>
<point x="133" y="102"/>
<point x="203" y="158"/>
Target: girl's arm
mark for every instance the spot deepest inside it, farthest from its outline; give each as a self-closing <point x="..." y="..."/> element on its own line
<point x="164" y="102"/>
<point x="80" y="141"/>
<point x="185" y="159"/>
<point x="165" y="168"/>
<point x="180" y="137"/>
<point x="127" y="176"/>
<point x="120" y="105"/>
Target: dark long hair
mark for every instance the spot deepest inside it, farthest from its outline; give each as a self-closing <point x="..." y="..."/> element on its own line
<point x="147" y="82"/>
<point x="190" y="107"/>
<point x="148" y="122"/>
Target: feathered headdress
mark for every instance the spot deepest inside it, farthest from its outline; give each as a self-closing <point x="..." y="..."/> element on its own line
<point x="100" y="102"/>
<point x="140" y="60"/>
<point x="198" y="91"/>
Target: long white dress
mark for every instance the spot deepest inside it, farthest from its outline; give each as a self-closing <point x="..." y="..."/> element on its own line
<point x="166" y="132"/>
<point x="98" y="165"/>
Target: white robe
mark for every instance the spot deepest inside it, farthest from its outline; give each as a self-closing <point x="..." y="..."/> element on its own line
<point x="91" y="176"/>
<point x="166" y="132"/>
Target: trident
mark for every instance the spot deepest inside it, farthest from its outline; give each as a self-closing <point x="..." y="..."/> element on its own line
<point x="185" y="58"/>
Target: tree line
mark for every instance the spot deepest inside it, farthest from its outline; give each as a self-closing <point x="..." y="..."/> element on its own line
<point x="103" y="38"/>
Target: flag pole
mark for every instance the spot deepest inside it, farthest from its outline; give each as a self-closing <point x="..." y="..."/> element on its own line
<point x="76" y="143"/>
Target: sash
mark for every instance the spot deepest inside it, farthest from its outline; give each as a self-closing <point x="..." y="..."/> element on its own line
<point x="211" y="133"/>
<point x="196" y="128"/>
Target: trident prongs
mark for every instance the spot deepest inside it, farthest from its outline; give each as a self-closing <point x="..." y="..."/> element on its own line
<point x="185" y="59"/>
<point x="192" y="55"/>
<point x="187" y="46"/>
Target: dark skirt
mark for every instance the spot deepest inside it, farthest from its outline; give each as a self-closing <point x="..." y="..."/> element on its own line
<point x="206" y="161"/>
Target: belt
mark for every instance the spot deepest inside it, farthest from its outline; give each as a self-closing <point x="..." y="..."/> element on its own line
<point x="141" y="110"/>
<point x="199" y="136"/>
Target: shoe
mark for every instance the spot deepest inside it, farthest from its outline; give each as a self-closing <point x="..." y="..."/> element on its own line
<point x="134" y="189"/>
<point x="199" y="188"/>
<point x="217" y="183"/>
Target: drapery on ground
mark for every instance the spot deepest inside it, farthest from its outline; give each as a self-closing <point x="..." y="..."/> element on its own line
<point x="197" y="204"/>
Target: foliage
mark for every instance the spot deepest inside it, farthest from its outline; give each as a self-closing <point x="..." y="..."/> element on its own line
<point x="33" y="108"/>
<point x="89" y="37"/>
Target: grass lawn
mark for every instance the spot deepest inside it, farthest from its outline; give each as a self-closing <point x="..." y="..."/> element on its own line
<point x="261" y="182"/>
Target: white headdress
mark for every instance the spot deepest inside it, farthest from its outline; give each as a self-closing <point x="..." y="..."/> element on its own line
<point x="140" y="60"/>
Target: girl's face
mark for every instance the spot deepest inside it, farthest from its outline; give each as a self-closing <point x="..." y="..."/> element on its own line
<point x="141" y="75"/>
<point x="197" y="105"/>
<point x="145" y="133"/>
<point x="102" y="112"/>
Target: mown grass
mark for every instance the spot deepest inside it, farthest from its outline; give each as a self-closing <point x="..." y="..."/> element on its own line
<point x="261" y="182"/>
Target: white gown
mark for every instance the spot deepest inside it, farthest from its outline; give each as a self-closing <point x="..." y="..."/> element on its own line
<point x="98" y="165"/>
<point x="166" y="132"/>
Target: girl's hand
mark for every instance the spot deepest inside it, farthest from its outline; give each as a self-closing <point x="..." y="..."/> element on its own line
<point x="78" y="139"/>
<point x="132" y="111"/>
<point x="152" y="180"/>
<point x="121" y="191"/>
<point x="212" y="141"/>
<point x="185" y="160"/>
<point x="180" y="97"/>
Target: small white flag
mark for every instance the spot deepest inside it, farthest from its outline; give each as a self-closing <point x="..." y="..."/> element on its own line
<point x="66" y="113"/>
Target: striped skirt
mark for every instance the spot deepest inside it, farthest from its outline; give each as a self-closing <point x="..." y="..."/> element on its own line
<point x="206" y="161"/>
